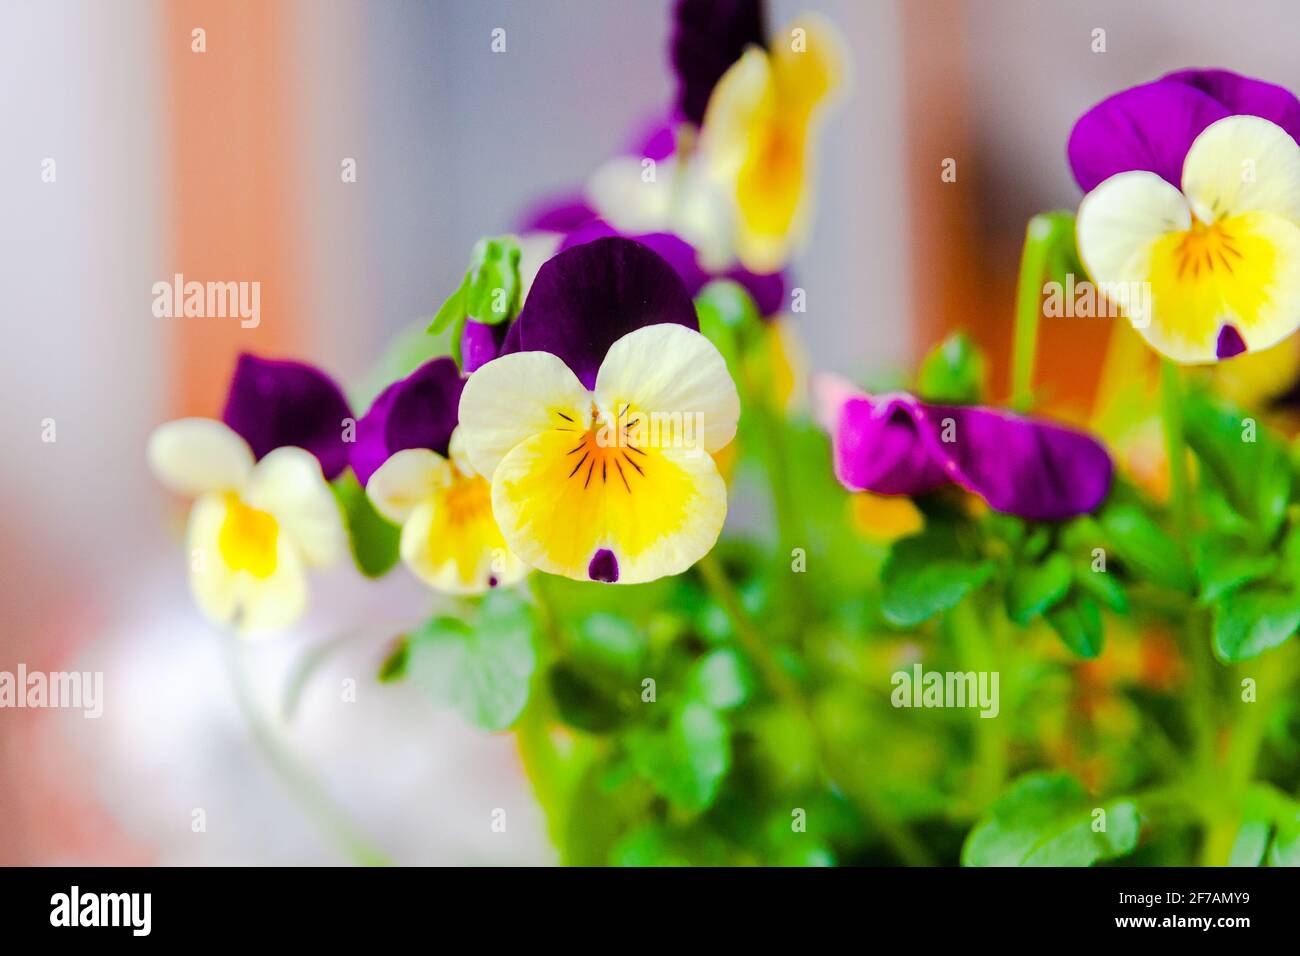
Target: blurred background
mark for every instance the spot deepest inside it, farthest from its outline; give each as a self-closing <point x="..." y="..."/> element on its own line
<point x="225" y="165"/>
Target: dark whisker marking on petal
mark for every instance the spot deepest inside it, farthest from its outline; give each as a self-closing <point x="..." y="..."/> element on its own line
<point x="634" y="448"/>
<point x="604" y="466"/>
<point x="582" y="444"/>
<point x="634" y="465"/>
<point x="577" y="466"/>
<point x="564" y="416"/>
<point x="1233" y="250"/>
<point x="624" y="411"/>
<point x="619" y="466"/>
<point x="558" y="429"/>
<point x="590" y="469"/>
<point x="1226" y="264"/>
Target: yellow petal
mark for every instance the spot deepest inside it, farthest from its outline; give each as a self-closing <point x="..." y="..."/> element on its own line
<point x="258" y="593"/>
<point x="288" y="484"/>
<point x="672" y="384"/>
<point x="807" y="63"/>
<point x="514" y="397"/>
<point x="452" y="543"/>
<point x="406" y="480"/>
<point x="193" y="456"/>
<point x="560" y="502"/>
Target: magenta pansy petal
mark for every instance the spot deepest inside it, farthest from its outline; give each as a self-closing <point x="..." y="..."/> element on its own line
<point x="586" y="298"/>
<point x="273" y="403"/>
<point x="709" y="36"/>
<point x="1245" y="95"/>
<point x="480" y="343"/>
<point x="558" y="214"/>
<point x="1148" y="127"/>
<point x="896" y="444"/>
<point x="419" y="411"/>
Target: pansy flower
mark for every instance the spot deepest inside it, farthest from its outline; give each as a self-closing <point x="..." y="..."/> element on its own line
<point x="896" y="444"/>
<point x="598" y="426"/>
<point x="758" y="135"/>
<point x="1191" y="222"/>
<point x="264" y="511"/>
<point x="410" y="456"/>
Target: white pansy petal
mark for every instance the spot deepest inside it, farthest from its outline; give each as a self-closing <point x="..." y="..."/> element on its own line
<point x="193" y="456"/>
<point x="1119" y="222"/>
<point x="288" y="484"/>
<point x="513" y="398"/>
<point x="620" y="192"/>
<point x="409" y="478"/>
<point x="673" y="375"/>
<point x="277" y="601"/>
<point x="743" y="98"/>
<point x="459" y="453"/>
<point x="1243" y="164"/>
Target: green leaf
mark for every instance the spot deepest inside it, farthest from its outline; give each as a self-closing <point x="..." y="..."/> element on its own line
<point x="610" y="643"/>
<point x="1224" y="564"/>
<point x="482" y="668"/>
<point x="1046" y="819"/>
<point x="1034" y="589"/>
<point x="728" y="318"/>
<point x="953" y="372"/>
<point x="492" y="284"/>
<point x="721" y="679"/>
<point x="450" y="311"/>
<point x="583" y="701"/>
<point x="926" y="575"/>
<point x="373" y="538"/>
<point x="1250" y="621"/>
<point x="1245" y="460"/>
<point x="1062" y="252"/>
<point x="687" y="761"/>
<point x="1077" y="621"/>
<point x="1145" y="547"/>
<point x="394" y="666"/>
<point x="1102" y="587"/>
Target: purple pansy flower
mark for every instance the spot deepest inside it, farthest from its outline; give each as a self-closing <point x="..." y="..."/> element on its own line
<point x="273" y="404"/>
<point x="1151" y="127"/>
<point x="418" y="411"/>
<point x="896" y="444"/>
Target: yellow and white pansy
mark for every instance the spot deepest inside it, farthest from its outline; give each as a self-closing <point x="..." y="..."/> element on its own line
<point x="255" y="527"/>
<point x="614" y="483"/>
<point x="759" y="133"/>
<point x="597" y="429"/>
<point x="1191" y="219"/>
<point x="450" y="540"/>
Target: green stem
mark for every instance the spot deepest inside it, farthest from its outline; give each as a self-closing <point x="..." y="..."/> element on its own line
<point x="977" y="653"/>
<point x="1029" y="308"/>
<point x="897" y="835"/>
<point x="297" y="778"/>
<point x="1171" y="422"/>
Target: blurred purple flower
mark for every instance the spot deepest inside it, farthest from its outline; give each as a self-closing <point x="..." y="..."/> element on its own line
<point x="276" y="403"/>
<point x="898" y="445"/>
<point x="709" y="36"/>
<point x="419" y="411"/>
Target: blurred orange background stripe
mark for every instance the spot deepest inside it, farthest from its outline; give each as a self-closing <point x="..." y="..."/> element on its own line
<point x="234" y="215"/>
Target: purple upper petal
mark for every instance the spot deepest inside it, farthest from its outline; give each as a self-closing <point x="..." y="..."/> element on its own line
<point x="896" y="444"/>
<point x="419" y="411"/>
<point x="767" y="291"/>
<point x="480" y="343"/>
<point x="586" y="298"/>
<point x="276" y="403"/>
<point x="709" y="36"/>
<point x="1147" y="127"/>
<point x="1241" y="94"/>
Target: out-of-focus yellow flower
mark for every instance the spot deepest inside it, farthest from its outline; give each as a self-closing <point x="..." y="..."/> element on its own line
<point x="884" y="518"/>
<point x="759" y="134"/>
